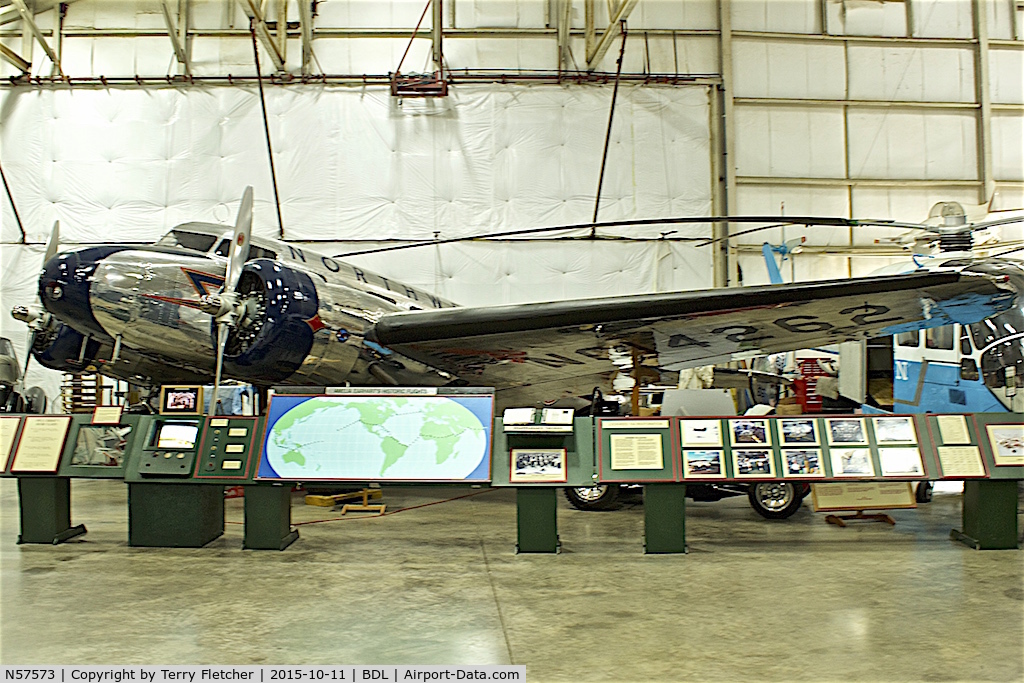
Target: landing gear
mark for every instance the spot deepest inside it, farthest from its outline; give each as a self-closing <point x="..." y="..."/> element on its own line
<point x="600" y="497"/>
<point x="775" y="500"/>
<point x="923" y="493"/>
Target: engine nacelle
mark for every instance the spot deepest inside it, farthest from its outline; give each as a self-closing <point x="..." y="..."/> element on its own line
<point x="61" y="349"/>
<point x="275" y="334"/>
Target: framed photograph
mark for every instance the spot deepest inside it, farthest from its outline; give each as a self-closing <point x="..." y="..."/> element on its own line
<point x="852" y="462"/>
<point x="798" y="431"/>
<point x="750" y="432"/>
<point x="802" y="463"/>
<point x="537" y="465"/>
<point x="847" y="431"/>
<point x="703" y="465"/>
<point x="702" y="433"/>
<point x="1007" y="443"/>
<point x="754" y="463"/>
<point x="186" y="400"/>
<point x="900" y="462"/>
<point x="894" y="430"/>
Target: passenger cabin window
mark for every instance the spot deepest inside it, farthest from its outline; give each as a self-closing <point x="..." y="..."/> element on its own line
<point x="908" y="338"/>
<point x="939" y="338"/>
<point x="193" y="241"/>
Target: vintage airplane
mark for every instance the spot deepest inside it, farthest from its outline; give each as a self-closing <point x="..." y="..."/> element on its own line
<point x="207" y="301"/>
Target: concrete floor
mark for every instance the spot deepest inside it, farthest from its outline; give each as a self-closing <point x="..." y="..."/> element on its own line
<point x="753" y="601"/>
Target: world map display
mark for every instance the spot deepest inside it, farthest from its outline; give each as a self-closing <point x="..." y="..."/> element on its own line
<point x="378" y="438"/>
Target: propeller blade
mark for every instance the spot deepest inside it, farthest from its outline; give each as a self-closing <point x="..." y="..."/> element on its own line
<point x="28" y="354"/>
<point x="240" y="242"/>
<point x="222" y="339"/>
<point x="53" y="246"/>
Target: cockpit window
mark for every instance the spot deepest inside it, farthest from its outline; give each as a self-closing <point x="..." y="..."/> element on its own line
<point x="192" y="241"/>
<point x="224" y="249"/>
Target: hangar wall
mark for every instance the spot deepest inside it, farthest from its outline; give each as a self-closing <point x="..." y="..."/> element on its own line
<point x="825" y="107"/>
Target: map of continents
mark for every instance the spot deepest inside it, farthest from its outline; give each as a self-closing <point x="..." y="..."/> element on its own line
<point x="356" y="437"/>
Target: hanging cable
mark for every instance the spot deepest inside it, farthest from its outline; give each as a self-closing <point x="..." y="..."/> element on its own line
<point x="13" y="207"/>
<point x="413" y="37"/>
<point x="266" y="129"/>
<point x="608" y="133"/>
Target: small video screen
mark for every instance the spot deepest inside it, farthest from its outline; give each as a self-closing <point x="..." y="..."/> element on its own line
<point x="100" y="445"/>
<point x="176" y="436"/>
<point x="181" y="401"/>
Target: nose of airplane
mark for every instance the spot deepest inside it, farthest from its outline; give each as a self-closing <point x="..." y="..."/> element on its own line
<point x="65" y="283"/>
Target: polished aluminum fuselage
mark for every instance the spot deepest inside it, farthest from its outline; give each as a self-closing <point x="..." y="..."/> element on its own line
<point x="148" y="297"/>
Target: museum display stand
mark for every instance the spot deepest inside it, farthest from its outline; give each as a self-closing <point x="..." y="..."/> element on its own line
<point x="664" y="518"/>
<point x="45" y="509"/>
<point x="175" y="515"/>
<point x="268" y="518"/>
<point x="989" y="515"/>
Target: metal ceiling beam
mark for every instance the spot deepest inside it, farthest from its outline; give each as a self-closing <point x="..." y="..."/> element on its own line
<point x="306" y="28"/>
<point x="172" y="31"/>
<point x="610" y="33"/>
<point x="254" y="10"/>
<point x="30" y="24"/>
<point x="14" y="59"/>
<point x="39" y="7"/>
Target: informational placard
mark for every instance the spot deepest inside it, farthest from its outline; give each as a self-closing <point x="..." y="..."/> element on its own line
<point x="41" y="443"/>
<point x="107" y="415"/>
<point x="8" y="430"/>
<point x="862" y="496"/>
<point x="961" y="461"/>
<point x="636" y="452"/>
<point x="537" y="465"/>
<point x="1007" y="442"/>
<point x="634" y="424"/>
<point x="953" y="429"/>
<point x="360" y="437"/>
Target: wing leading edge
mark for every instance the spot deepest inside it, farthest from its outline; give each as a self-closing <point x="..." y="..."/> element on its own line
<point x="544" y="350"/>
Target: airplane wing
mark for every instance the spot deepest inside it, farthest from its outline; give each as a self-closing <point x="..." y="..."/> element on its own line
<point x="546" y="350"/>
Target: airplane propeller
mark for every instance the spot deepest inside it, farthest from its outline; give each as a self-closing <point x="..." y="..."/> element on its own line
<point x="224" y="305"/>
<point x="37" y="317"/>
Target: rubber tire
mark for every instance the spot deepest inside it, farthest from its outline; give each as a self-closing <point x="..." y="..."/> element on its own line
<point x="923" y="491"/>
<point x="606" y="501"/>
<point x="791" y="502"/>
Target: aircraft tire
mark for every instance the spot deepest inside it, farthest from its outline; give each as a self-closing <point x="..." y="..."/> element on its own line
<point x="776" y="500"/>
<point x="592" y="498"/>
<point x="923" y="492"/>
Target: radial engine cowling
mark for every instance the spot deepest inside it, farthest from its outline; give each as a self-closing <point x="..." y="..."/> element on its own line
<point x="275" y="331"/>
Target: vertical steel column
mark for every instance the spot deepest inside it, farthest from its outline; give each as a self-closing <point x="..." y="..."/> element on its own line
<point x="984" y="100"/>
<point x="437" y="34"/>
<point x="724" y="268"/>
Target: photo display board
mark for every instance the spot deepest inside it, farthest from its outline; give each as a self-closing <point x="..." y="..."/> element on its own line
<point x="637" y="449"/>
<point x="816" y="448"/>
<point x="429" y="437"/>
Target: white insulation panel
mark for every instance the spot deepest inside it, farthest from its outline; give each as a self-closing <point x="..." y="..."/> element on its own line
<point x="353" y="163"/>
